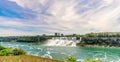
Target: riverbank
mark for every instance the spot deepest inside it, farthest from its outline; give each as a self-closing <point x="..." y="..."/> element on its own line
<point x="26" y="58"/>
<point x="101" y="46"/>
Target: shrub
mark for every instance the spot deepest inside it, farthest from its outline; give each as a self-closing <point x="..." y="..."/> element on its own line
<point x="18" y="51"/>
<point x="92" y="60"/>
<point x="6" y="52"/>
<point x="70" y="59"/>
<point x="1" y="48"/>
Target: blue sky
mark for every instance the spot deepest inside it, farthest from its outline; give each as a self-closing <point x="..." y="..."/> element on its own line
<point x="33" y="17"/>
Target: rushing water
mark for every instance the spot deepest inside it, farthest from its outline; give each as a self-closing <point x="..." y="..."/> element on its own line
<point x="105" y="54"/>
<point x="62" y="41"/>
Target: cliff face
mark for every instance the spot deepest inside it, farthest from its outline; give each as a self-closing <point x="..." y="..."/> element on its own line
<point x="105" y="39"/>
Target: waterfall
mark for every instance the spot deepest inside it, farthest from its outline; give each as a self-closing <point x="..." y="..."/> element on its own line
<point x="62" y="41"/>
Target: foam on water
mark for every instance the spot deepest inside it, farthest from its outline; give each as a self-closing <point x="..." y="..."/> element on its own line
<point x="47" y="54"/>
<point x="81" y="53"/>
<point x="61" y="42"/>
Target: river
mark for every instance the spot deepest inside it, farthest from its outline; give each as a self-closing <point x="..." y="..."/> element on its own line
<point x="60" y="52"/>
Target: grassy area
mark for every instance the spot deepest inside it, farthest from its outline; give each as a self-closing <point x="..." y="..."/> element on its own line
<point x="26" y="58"/>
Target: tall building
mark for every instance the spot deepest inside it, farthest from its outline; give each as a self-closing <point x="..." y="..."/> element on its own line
<point x="62" y="34"/>
<point x="56" y="34"/>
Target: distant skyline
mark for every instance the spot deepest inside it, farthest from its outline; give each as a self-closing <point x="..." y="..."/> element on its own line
<point x="34" y="17"/>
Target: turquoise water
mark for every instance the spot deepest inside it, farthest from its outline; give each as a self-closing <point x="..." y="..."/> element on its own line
<point x="105" y="54"/>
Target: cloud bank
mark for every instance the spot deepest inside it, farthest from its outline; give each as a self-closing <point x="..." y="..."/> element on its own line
<point x="64" y="16"/>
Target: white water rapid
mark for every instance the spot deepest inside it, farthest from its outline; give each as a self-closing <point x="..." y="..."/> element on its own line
<point x="62" y="41"/>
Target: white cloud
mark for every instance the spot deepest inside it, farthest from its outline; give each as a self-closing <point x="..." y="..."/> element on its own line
<point x="72" y="16"/>
<point x="13" y="32"/>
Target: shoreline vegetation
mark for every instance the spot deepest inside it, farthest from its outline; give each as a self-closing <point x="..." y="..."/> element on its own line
<point x="104" y="39"/>
<point x="19" y="55"/>
<point x="100" y="39"/>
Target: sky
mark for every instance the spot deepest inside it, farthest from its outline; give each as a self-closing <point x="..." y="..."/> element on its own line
<point x="36" y="17"/>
